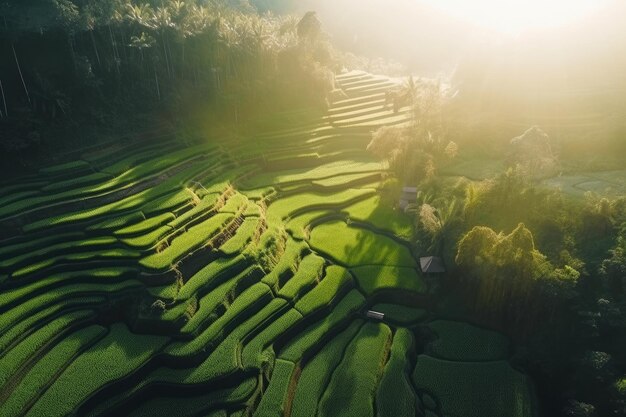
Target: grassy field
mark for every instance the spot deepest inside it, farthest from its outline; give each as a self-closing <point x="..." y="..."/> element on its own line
<point x="230" y="278"/>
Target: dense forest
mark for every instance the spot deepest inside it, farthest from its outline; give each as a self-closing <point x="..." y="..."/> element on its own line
<point x="107" y="64"/>
<point x="520" y="191"/>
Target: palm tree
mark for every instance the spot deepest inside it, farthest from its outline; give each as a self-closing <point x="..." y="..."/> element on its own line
<point x="140" y="14"/>
<point x="161" y="21"/>
<point x="436" y="222"/>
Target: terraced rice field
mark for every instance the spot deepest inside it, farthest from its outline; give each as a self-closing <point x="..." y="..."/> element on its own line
<point x="230" y="278"/>
<point x="603" y="183"/>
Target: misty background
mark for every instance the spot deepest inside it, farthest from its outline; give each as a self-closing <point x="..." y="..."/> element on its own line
<point x="571" y="79"/>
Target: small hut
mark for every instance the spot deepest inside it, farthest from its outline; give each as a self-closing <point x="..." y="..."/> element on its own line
<point x="432" y="265"/>
<point x="375" y="315"/>
<point x="408" y="196"/>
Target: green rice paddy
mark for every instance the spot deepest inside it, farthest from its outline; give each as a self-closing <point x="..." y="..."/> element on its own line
<point x="232" y="279"/>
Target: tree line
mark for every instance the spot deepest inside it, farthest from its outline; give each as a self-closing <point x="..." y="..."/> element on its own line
<point x="70" y="63"/>
<point x="544" y="268"/>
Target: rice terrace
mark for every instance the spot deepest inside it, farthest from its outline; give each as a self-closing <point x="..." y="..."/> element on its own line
<point x="287" y="229"/>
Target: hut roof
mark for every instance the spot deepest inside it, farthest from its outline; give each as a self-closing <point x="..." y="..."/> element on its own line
<point x="432" y="264"/>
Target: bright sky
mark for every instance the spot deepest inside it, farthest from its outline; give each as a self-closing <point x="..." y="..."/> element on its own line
<point x="515" y="16"/>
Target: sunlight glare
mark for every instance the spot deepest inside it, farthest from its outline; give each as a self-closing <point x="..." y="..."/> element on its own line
<point x="516" y="16"/>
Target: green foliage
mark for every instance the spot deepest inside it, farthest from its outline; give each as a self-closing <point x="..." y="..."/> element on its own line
<point x="59" y="248"/>
<point x="380" y="213"/>
<point x="245" y="233"/>
<point x="176" y="405"/>
<point x="215" y="272"/>
<point x="252" y="353"/>
<point x="323" y="294"/>
<point x="26" y="324"/>
<point x="400" y="314"/>
<point x="277" y="394"/>
<point x="482" y="384"/>
<point x="372" y="279"/>
<point x="300" y="203"/>
<point x="193" y="239"/>
<point x="352" y="387"/>
<point x="299" y="226"/>
<point x="315" y="173"/>
<point x="226" y="357"/>
<point x="114" y="357"/>
<point x="145" y="226"/>
<point x="462" y="342"/>
<point x="507" y="274"/>
<point x="317" y="374"/>
<point x="44" y="371"/>
<point x="241" y="309"/>
<point x="68" y="168"/>
<point x="29" y="347"/>
<point x="308" y="275"/>
<point x="312" y="336"/>
<point x="395" y="395"/>
<point x="355" y="246"/>
<point x="60" y="296"/>
<point x="220" y="294"/>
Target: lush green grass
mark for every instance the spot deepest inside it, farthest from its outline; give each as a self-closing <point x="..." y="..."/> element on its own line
<point x="226" y="359"/>
<point x="201" y="208"/>
<point x="395" y="395"/>
<point x="241" y="308"/>
<point x="463" y="342"/>
<point x="69" y="167"/>
<point x="118" y="222"/>
<point x="81" y="180"/>
<point x="221" y="295"/>
<point x="28" y="348"/>
<point x="59" y="296"/>
<point x="234" y="203"/>
<point x="45" y="369"/>
<point x="217" y="271"/>
<point x="311" y="244"/>
<point x="381" y="214"/>
<point x="317" y="373"/>
<point x="276" y="397"/>
<point x="316" y="173"/>
<point x="58" y="248"/>
<point x="323" y="294"/>
<point x="348" y="180"/>
<point x="115" y="356"/>
<point x="286" y="265"/>
<point x="97" y="275"/>
<point x="118" y="254"/>
<point x="355" y="246"/>
<point x="188" y="242"/>
<point x="161" y="193"/>
<point x="252" y="352"/>
<point x="17" y="249"/>
<point x="299" y="226"/>
<point x="145" y="225"/>
<point x="475" y="169"/>
<point x="400" y="314"/>
<point x="179" y="406"/>
<point x="242" y="237"/>
<point x="13" y="333"/>
<point x="299" y="203"/>
<point x="148" y="239"/>
<point x="374" y="278"/>
<point x="309" y="339"/>
<point x="308" y="275"/>
<point x="470" y="389"/>
<point x="352" y="387"/>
